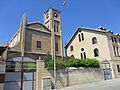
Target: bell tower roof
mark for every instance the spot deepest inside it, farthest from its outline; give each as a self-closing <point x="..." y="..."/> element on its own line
<point x="52" y="9"/>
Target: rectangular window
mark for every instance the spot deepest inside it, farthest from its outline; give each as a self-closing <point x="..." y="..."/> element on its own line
<point x="38" y="44"/>
<point x="54" y="28"/>
<point x="118" y="68"/>
<point x="57" y="28"/>
<point x="112" y="39"/>
<point x="119" y="40"/>
<point x="115" y="40"/>
<point x="117" y="51"/>
<point x="56" y="46"/>
<point x="114" y="50"/>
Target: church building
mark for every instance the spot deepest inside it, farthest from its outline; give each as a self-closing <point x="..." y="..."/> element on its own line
<point x="31" y="42"/>
<point x="36" y="39"/>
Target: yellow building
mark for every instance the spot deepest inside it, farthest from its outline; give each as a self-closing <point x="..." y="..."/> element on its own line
<point x="96" y="43"/>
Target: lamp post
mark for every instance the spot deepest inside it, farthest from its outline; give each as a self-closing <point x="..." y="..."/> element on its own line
<point x="63" y="4"/>
<point x="54" y="59"/>
<point x="22" y="57"/>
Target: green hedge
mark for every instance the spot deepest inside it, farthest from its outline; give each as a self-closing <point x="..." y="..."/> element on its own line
<point x="70" y="62"/>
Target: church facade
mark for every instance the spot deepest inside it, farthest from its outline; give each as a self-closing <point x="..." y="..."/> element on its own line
<point x="35" y="39"/>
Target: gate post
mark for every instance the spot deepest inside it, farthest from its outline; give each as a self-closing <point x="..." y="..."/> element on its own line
<point x="39" y="74"/>
<point x="2" y="75"/>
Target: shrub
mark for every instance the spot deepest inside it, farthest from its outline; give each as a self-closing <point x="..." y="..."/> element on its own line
<point x="70" y="62"/>
<point x="89" y="63"/>
<point x="48" y="60"/>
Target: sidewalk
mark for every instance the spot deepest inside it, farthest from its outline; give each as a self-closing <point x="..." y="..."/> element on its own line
<point x="113" y="84"/>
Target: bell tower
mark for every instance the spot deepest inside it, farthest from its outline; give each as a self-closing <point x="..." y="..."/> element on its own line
<point x="52" y="20"/>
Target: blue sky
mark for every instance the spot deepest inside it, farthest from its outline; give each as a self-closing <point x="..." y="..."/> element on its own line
<point x="76" y="13"/>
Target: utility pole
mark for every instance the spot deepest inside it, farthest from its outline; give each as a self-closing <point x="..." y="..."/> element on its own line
<point x="54" y="56"/>
<point x="54" y="64"/>
<point x="22" y="27"/>
<point x="54" y="52"/>
<point x="22" y="57"/>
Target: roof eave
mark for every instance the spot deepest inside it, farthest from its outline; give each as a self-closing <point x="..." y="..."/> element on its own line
<point x="37" y="22"/>
<point x="67" y="44"/>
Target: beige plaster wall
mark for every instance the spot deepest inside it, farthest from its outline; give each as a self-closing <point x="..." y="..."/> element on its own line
<point x="102" y="45"/>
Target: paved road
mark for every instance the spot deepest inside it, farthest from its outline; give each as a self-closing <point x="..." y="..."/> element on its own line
<point x="103" y="85"/>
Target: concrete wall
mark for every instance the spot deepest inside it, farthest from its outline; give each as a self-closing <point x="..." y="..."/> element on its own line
<point x="2" y="75"/>
<point x="2" y="86"/>
<point x="76" y="76"/>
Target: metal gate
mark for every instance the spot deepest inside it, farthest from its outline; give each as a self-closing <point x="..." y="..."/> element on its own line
<point x="20" y="74"/>
<point x="105" y="65"/>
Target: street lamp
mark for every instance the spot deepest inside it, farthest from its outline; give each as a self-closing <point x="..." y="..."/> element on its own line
<point x="22" y="57"/>
<point x="54" y="62"/>
<point x="63" y="4"/>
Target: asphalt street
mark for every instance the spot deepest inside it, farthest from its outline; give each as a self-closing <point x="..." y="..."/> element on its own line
<point x="113" y="84"/>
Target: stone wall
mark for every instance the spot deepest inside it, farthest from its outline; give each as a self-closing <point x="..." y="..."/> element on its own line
<point x="75" y="76"/>
<point x="34" y="36"/>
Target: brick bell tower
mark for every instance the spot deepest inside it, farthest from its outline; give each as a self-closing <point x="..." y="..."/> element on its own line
<point x="52" y="20"/>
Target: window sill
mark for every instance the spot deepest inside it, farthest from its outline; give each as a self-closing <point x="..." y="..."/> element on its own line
<point x="56" y="52"/>
<point x="96" y="56"/>
<point x="94" y="44"/>
<point x="116" y="56"/>
<point x="71" y="51"/>
<point x="39" y="48"/>
<point x="118" y="73"/>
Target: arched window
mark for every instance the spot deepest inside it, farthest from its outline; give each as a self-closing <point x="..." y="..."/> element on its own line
<point x="94" y="40"/>
<point x="81" y="56"/>
<point x="84" y="55"/>
<point x="72" y="56"/>
<point x="71" y="48"/>
<point x="82" y="35"/>
<point x="96" y="52"/>
<point x="79" y="38"/>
